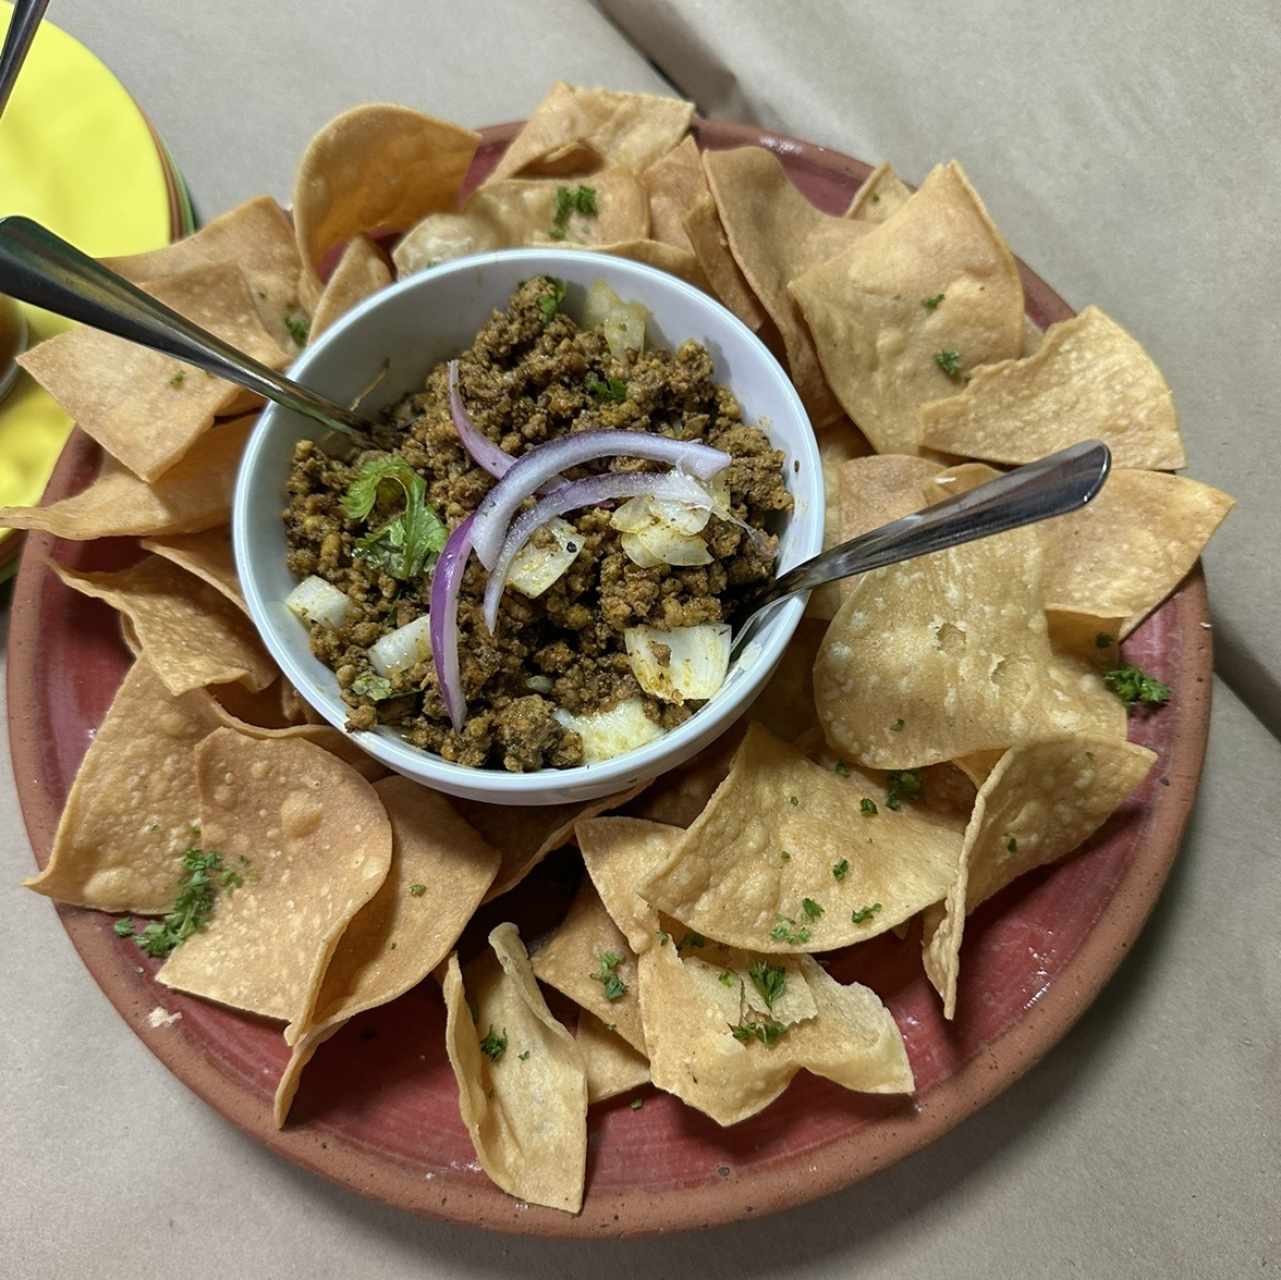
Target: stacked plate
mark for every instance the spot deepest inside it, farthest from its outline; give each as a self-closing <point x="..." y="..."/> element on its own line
<point x="77" y="154"/>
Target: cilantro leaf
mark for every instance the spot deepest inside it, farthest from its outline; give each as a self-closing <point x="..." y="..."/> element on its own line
<point x="787" y="930"/>
<point x="417" y="890"/>
<point x="861" y="914"/>
<point x="493" y="1046"/>
<point x="636" y="1103"/>
<point x="841" y="769"/>
<point x="867" y="807"/>
<point x="374" y="687"/>
<point x="725" y="978"/>
<point x="571" y="200"/>
<point x="124" y="927"/>
<point x="178" y="378"/>
<point x="841" y="869"/>
<point x="930" y="303"/>
<point x="755" y="1027"/>
<point x="402" y="546"/>
<point x="615" y="987"/>
<point x="193" y="903"/>
<point x="904" y="784"/>
<point x="950" y="363"/>
<point x="298" y="325"/>
<point x="611" y="389"/>
<point x="550" y="302"/>
<point x="1134" y="686"/>
<point x="811" y="908"/>
<point x="769" y="979"/>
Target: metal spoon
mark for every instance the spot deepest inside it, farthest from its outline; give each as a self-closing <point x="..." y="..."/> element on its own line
<point x="17" y="42"/>
<point x="39" y="267"/>
<point x="1053" y="486"/>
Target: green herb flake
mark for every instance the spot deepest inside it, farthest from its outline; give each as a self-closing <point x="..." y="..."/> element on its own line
<point x="418" y="890"/>
<point x="609" y="389"/>
<point x="549" y="303"/>
<point x="725" y="978"/>
<point x="1134" y="686"/>
<point x="930" y="303"/>
<point x="867" y="807"/>
<point x="298" y="325"/>
<point x="841" y="769"/>
<point x="124" y="927"/>
<point x="663" y="937"/>
<point x="787" y="930"/>
<point x="787" y="857"/>
<point x="193" y="904"/>
<point x="524" y="1057"/>
<point x="904" y="784"/>
<point x="691" y="939"/>
<point x="811" y="908"/>
<point x="636" y="1103"/>
<point x="571" y="200"/>
<point x="841" y="869"/>
<point x="1011" y="844"/>
<point x="403" y="546"/>
<point x="950" y="363"/>
<point x="898" y="726"/>
<point x="755" y="1027"/>
<point x="493" y="1046"/>
<point x="178" y="378"/>
<point x="374" y="687"/>
<point x="794" y="801"/>
<point x="862" y="914"/>
<point x="615" y="988"/>
<point x="770" y="980"/>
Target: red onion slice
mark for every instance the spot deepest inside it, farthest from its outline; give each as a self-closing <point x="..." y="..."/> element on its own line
<point x="484" y="452"/>
<point x="671" y="486"/>
<point x="530" y="471"/>
<point x="446" y="582"/>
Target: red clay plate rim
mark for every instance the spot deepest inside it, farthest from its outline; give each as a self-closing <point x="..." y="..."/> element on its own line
<point x="692" y="1203"/>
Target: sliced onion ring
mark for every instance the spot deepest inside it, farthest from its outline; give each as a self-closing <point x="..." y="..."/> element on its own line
<point x="673" y="486"/>
<point x="483" y="451"/>
<point x="446" y="582"/>
<point x="499" y="505"/>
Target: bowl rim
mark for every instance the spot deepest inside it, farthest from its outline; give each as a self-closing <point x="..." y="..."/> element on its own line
<point x="774" y="632"/>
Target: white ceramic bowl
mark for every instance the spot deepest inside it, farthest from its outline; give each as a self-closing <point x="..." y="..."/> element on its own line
<point x="430" y="317"/>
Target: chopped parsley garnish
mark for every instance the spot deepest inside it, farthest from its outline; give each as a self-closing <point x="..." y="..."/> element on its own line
<point x="524" y="1057"/>
<point x="178" y="378"/>
<point x="1133" y="686"/>
<point x="794" y="801"/>
<point x="636" y="1103"/>
<point x="374" y="687"/>
<point x="610" y="389"/>
<point x="867" y="807"/>
<point x="403" y="545"/>
<point x="756" y="1027"/>
<point x="841" y="869"/>
<point x="571" y="200"/>
<point x="950" y="363"/>
<point x="811" y="908"/>
<point x="930" y="303"/>
<point x="418" y="890"/>
<point x="725" y="978"/>
<point x="787" y="857"/>
<point x="1102" y="640"/>
<point x="898" y="725"/>
<point x="691" y="939"/>
<point x="861" y="914"/>
<point x="124" y="927"/>
<point x="298" y="327"/>
<point x="193" y="904"/>
<point x="841" y="769"/>
<point x="905" y="784"/>
<point x="493" y="1046"/>
<point x="787" y="930"/>
<point x="1011" y="844"/>
<point x="615" y="987"/>
<point x="768" y="979"/>
<point x="663" y="937"/>
<point x="550" y="302"/>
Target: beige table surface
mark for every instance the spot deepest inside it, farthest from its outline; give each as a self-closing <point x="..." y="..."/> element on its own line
<point x="1130" y="152"/>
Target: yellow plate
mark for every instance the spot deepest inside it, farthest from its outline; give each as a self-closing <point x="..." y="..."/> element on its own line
<point x="77" y="155"/>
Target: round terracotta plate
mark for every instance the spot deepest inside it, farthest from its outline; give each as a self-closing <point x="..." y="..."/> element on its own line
<point x="377" y="1108"/>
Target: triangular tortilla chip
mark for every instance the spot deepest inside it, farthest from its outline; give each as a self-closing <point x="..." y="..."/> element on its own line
<point x="883" y="350"/>
<point x="620" y="854"/>
<point x="775" y="235"/>
<point x="361" y="272"/>
<point x="524" y="1105"/>
<point x="1039" y="803"/>
<point x="194" y="494"/>
<point x="675" y="183"/>
<point x="146" y="409"/>
<point x="316" y="845"/>
<point x="207" y="554"/>
<point x="882" y="194"/>
<point x="1088" y="380"/>
<point x="665" y="257"/>
<point x="707" y="238"/>
<point x="612" y="1065"/>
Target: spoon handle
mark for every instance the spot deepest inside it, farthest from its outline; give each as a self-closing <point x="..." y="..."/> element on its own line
<point x="39" y="267"/>
<point x="1053" y="486"/>
<point x="22" y="30"/>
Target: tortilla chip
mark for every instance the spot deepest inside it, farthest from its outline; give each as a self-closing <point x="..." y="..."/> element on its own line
<point x="191" y="633"/>
<point x="957" y="479"/>
<point x="1089" y="380"/>
<point x="767" y="842"/>
<point x="865" y="494"/>
<point x="852" y="1040"/>
<point x="620" y="854"/>
<point x="979" y="764"/>
<point x="786" y="705"/>
<point x="526" y="835"/>
<point x="570" y="960"/>
<point x="706" y="235"/>
<point x="256" y="236"/>
<point x="361" y="272"/>
<point x="612" y="1065"/>
<point x="194" y="494"/>
<point x="1125" y="552"/>
<point x="876" y="339"/>
<point x="665" y="257"/>
<point x="207" y="554"/>
<point x="883" y="193"/>
<point x="1086" y="636"/>
<point x="949" y="654"/>
<point x="1033" y="336"/>
<point x="1038" y="804"/>
<point x="523" y="211"/>
<point x="317" y="844"/>
<point x="130" y="811"/>
<point x="374" y="169"/>
<point x="677" y="797"/>
<point x="144" y="408"/>
<point x="775" y="235"/>
<point x="630" y="130"/>
<point x="291" y="1077"/>
<point x="261" y="710"/>
<point x="674" y="183"/>
<point x="526" y="1110"/>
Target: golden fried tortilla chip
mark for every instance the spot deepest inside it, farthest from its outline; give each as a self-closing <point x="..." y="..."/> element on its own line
<point x="756" y="870"/>
<point x="1039" y="803"/>
<point x="132" y="808"/>
<point x="675" y="183"/>
<point x="775" y="235"/>
<point x="523" y="211"/>
<point x="207" y="554"/>
<point x="144" y="408"/>
<point x="706" y="235"/>
<point x="620" y="854"/>
<point x="1125" y="552"/>
<point x="1088" y="380"/>
<point x="332" y="740"/>
<point x="1086" y="636"/>
<point x="677" y="797"/>
<point x="313" y="845"/>
<point x="949" y="654"/>
<point x="588" y="959"/>
<point x="629" y="130"/>
<point x="257" y="237"/>
<point x="665" y="257"/>
<point x="1033" y="336"/>
<point x="194" y="494"/>
<point x="522" y="1085"/>
<point x="882" y="194"/>
<point x="374" y="169"/>
<point x="191" y="633"/>
<point x="786" y="705"/>
<point x="883" y="350"/>
<point x="612" y="1065"/>
<point x="361" y="272"/>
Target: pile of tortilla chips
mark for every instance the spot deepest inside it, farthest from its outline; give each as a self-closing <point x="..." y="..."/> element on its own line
<point x="936" y="729"/>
